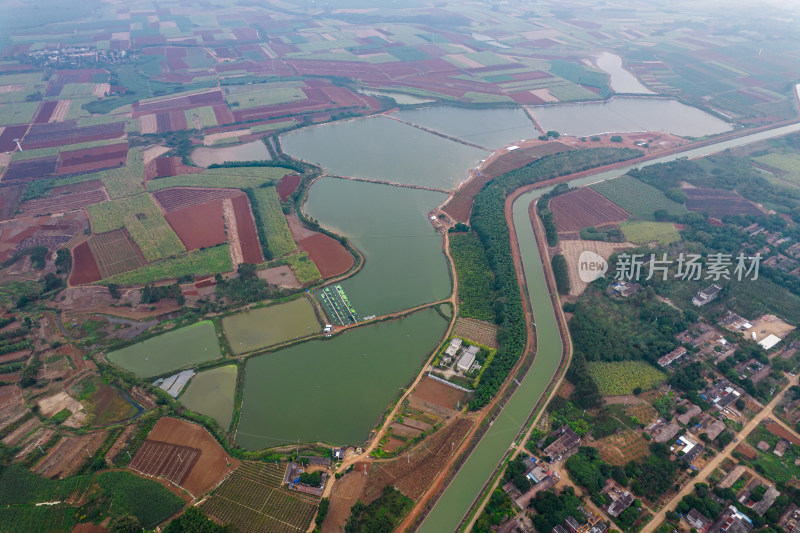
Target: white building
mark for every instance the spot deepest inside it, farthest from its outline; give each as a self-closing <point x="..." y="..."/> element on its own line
<point x="467" y="358"/>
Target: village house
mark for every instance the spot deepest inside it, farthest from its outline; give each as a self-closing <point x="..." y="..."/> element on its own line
<point x="625" y="288"/>
<point x="691" y="412"/>
<point x="697" y="520"/>
<point x="706" y="295"/>
<point x="663" y="431"/>
<point x="734" y="322"/>
<point x="672" y="356"/>
<point x="568" y="440"/>
<point x="622" y="502"/>
<point x="763" y="505"/>
<point x="790" y="519"/>
<point x="467" y="358"/>
<point x="732" y="521"/>
<point x="453" y="348"/>
<point x="691" y="448"/>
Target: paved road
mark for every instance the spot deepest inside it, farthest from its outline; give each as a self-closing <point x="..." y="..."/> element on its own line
<point x="702" y="476"/>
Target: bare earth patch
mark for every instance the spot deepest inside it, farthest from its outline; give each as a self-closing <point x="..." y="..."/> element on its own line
<point x="60" y="112"/>
<point x="233" y="233"/>
<point x="152" y="152"/>
<point x="58" y="402"/>
<point x="572" y="251"/>
<point x="478" y="331"/>
<point x="282" y="276"/>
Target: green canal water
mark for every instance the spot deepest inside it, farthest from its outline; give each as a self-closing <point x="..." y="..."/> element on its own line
<point x="383" y="149"/>
<point x="334" y="390"/>
<point x="404" y="262"/>
<point x="491" y="128"/>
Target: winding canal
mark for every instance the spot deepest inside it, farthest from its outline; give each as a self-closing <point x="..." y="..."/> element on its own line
<point x="466" y="485"/>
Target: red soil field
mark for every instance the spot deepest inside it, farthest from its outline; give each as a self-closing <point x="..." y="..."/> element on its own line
<point x="432" y="391"/>
<point x="330" y="256"/>
<point x="287" y="186"/>
<point x="68" y="132"/>
<point x="97" y="158"/>
<point x="178" y="198"/>
<point x="157" y="459"/>
<point x="40" y="168"/>
<point x="45" y="112"/>
<point x="63" y="203"/>
<point x="199" y="225"/>
<point x="211" y="466"/>
<point x="779" y="431"/>
<point x="585" y="207"/>
<point x="164" y="167"/>
<point x="246" y="227"/>
<point x="719" y="202"/>
<point x="460" y="206"/>
<point x="7" y="143"/>
<point x="84" y="268"/>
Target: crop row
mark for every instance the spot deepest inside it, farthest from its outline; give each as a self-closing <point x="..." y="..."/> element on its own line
<point x="18" y="486"/>
<point x="636" y="197"/>
<point x="37" y="519"/>
<point x="149" y="501"/>
<point x="303" y="267"/>
<point x="115" y="253"/>
<point x="269" y="217"/>
<point x="622" y="377"/>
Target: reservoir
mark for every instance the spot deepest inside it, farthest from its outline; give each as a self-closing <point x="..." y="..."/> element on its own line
<point x="626" y="114"/>
<point x="334" y="390"/>
<point x="383" y="149"/>
<point x="404" y="263"/>
<point x="622" y="81"/>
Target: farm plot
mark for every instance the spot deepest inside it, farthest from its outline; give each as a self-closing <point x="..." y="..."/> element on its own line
<point x="572" y="250"/>
<point x="92" y="159"/>
<point x="169" y="351"/>
<point x="105" y="403"/>
<point x="196" y="262"/>
<point x="303" y="267"/>
<point x="585" y="207"/>
<point x="719" y="202"/>
<point x="246" y="234"/>
<point x="413" y="474"/>
<point x="69" y="454"/>
<point x="637" y="198"/>
<point x="143" y="220"/>
<point x="68" y="132"/>
<point x="478" y="331"/>
<point x="174" y="199"/>
<point x="253" y="500"/>
<point x="642" y="232"/>
<point x="198" y="226"/>
<point x="211" y="466"/>
<point x="31" y="169"/>
<point x="65" y="202"/>
<point x="267" y="326"/>
<point x="234" y="178"/>
<point x="287" y="186"/>
<point x="161" y="459"/>
<point x="149" y="501"/>
<point x="619" y="449"/>
<point x="622" y="377"/>
<point x="114" y="252"/>
<point x="84" y="266"/>
<point x="38" y="519"/>
<point x="431" y="391"/>
<point x="270" y="219"/>
<point x="212" y="393"/>
<point x="330" y="256"/>
<point x="475" y="279"/>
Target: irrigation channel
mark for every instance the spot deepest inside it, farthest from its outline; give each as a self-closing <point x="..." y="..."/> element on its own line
<point x="466" y="486"/>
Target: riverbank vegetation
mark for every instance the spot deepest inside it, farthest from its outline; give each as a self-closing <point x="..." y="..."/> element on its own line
<point x="475" y="283"/>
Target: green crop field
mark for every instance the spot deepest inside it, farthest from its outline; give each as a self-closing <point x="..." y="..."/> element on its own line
<point x="37" y="519"/>
<point x="303" y="267"/>
<point x="475" y="280"/>
<point x="196" y="262"/>
<point x="270" y="219"/>
<point x="622" y="377"/>
<point x="267" y="326"/>
<point x="19" y="485"/>
<point x="18" y="113"/>
<point x="234" y="178"/>
<point x="637" y="198"/>
<point x="149" y="501"/>
<point x="143" y="220"/>
<point x="127" y="180"/>
<point x="169" y="351"/>
<point x="205" y="115"/>
<point x="274" y="126"/>
<point x="641" y="232"/>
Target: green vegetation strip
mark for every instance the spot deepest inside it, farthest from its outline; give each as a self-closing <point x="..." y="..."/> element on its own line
<point x="637" y="198"/>
<point x="303" y="267"/>
<point x="641" y="232"/>
<point x="273" y="229"/>
<point x="235" y="178"/>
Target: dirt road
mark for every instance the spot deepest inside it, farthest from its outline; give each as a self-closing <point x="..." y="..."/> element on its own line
<point x="702" y="476"/>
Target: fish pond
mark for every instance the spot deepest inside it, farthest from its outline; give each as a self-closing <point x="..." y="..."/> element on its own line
<point x="334" y="390"/>
<point x="169" y="351"/>
<point x="252" y="151"/>
<point x="211" y="393"/>
<point x="404" y="263"/>
<point x="266" y="326"/>
<point x="383" y="149"/>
